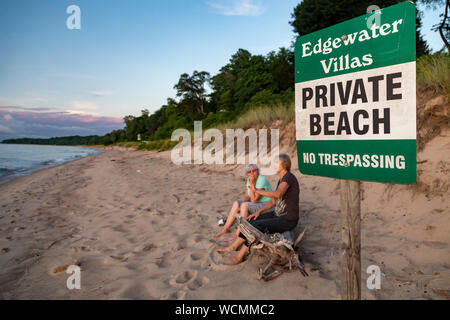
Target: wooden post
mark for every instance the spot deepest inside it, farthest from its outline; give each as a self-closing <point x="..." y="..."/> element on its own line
<point x="351" y="239"/>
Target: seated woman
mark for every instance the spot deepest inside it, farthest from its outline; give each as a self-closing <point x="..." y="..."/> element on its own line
<point x="284" y="218"/>
<point x="252" y="201"/>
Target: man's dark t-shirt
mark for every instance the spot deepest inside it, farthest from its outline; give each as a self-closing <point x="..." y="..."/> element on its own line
<point x="287" y="206"/>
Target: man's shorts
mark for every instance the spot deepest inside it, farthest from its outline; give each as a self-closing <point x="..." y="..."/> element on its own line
<point x="253" y="207"/>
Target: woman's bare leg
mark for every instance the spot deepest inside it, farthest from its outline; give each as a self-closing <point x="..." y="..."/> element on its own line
<point x="244" y="214"/>
<point x="226" y="228"/>
<point x="244" y="210"/>
<point x="233" y="247"/>
<point x="239" y="257"/>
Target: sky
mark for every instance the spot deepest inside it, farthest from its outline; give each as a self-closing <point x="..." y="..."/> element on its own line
<point x="127" y="56"/>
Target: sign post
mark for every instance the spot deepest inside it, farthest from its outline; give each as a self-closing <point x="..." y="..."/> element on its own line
<point x="355" y="113"/>
<point x="351" y="239"/>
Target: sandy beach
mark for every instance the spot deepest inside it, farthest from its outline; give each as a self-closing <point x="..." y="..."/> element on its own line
<point x="141" y="227"/>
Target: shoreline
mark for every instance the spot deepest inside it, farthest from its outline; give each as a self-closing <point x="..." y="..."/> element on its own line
<point x="27" y="173"/>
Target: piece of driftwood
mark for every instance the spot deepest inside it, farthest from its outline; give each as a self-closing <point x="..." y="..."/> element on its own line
<point x="280" y="249"/>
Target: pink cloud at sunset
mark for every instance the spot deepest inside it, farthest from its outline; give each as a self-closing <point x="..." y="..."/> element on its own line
<point x="19" y="121"/>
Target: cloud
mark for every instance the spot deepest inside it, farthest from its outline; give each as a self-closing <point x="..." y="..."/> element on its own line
<point x="84" y="105"/>
<point x="100" y="93"/>
<point x="237" y="7"/>
<point x="26" y="108"/>
<point x="5" y="129"/>
<point x="81" y="112"/>
<point x="25" y="123"/>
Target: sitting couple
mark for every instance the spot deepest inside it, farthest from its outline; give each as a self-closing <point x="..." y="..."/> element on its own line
<point x="270" y="211"/>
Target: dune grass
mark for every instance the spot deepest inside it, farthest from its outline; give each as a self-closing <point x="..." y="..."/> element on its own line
<point x="433" y="72"/>
<point x="261" y="116"/>
<point x="157" y="145"/>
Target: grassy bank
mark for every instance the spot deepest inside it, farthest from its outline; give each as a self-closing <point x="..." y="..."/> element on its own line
<point x="433" y="72"/>
<point x="261" y="116"/>
<point x="156" y="145"/>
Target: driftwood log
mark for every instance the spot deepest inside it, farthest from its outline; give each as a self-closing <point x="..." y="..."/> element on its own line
<point x="280" y="249"/>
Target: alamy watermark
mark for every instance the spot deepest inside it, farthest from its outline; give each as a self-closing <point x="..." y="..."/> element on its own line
<point x="235" y="147"/>
<point x="374" y="280"/>
<point x="74" y="20"/>
<point x="74" y="280"/>
<point x="375" y="18"/>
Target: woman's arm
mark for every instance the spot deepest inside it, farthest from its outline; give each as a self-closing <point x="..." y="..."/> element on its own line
<point x="277" y="194"/>
<point x="246" y="197"/>
<point x="254" y="197"/>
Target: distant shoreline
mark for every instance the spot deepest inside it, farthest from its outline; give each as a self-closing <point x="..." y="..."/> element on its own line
<point x="96" y="146"/>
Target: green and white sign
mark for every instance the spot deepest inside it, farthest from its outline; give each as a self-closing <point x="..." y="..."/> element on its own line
<point x="355" y="98"/>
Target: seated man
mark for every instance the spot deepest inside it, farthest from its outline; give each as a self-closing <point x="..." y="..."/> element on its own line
<point x="284" y="218"/>
<point x="252" y="201"/>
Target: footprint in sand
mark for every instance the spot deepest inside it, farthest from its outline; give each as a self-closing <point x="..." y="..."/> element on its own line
<point x="119" y="229"/>
<point x="148" y="247"/>
<point x="81" y="249"/>
<point x="145" y="248"/>
<point x="162" y="262"/>
<point x="160" y="213"/>
<point x="200" y="238"/>
<point x="182" y="244"/>
<point x="216" y="261"/>
<point x="183" y="278"/>
<point x="198" y="283"/>
<point x="196" y="256"/>
<point x="202" y="217"/>
<point x="203" y="241"/>
<point x="114" y="259"/>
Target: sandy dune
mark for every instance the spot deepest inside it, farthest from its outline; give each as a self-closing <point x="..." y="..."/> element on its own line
<point x="141" y="228"/>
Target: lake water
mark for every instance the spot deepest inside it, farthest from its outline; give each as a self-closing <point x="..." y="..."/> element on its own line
<point x="19" y="159"/>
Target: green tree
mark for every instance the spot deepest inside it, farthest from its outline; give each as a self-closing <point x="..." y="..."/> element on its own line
<point x="192" y="90"/>
<point x="281" y="66"/>
<point x="130" y="127"/>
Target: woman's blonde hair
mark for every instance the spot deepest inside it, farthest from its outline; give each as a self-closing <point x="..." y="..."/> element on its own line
<point x="285" y="161"/>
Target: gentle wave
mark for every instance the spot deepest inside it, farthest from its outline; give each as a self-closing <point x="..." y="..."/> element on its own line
<point x="19" y="160"/>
